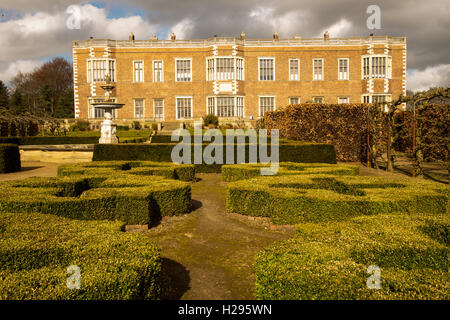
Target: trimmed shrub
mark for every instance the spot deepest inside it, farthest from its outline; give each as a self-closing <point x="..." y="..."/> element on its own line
<point x="314" y="198"/>
<point x="80" y="125"/>
<point x="210" y="119"/>
<point x="184" y="172"/>
<point x="9" y="158"/>
<point x="289" y="152"/>
<point x="234" y="172"/>
<point x="127" y="198"/>
<point x="114" y="265"/>
<point x="330" y="261"/>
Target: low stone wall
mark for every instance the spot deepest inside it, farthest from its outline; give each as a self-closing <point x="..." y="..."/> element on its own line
<point x="57" y="153"/>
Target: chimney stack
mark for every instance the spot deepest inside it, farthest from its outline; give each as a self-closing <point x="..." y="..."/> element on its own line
<point x="131" y="36"/>
<point x="275" y="36"/>
<point x="172" y="36"/>
<point x="326" y="36"/>
<point x="242" y="35"/>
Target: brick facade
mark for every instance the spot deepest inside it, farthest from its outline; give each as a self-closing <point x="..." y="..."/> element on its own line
<point x="390" y="84"/>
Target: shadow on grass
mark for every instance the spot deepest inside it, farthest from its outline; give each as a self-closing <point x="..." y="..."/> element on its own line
<point x="30" y="168"/>
<point x="175" y="280"/>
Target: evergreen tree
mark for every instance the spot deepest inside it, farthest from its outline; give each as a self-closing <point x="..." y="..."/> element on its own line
<point x="64" y="107"/>
<point x="4" y="95"/>
<point x="17" y="102"/>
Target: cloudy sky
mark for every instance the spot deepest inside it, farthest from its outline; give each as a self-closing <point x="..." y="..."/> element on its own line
<point x="32" y="32"/>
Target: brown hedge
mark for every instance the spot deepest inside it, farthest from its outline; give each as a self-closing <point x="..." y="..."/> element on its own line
<point x="343" y="125"/>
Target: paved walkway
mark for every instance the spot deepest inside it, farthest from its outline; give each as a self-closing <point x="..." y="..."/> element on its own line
<point x="32" y="169"/>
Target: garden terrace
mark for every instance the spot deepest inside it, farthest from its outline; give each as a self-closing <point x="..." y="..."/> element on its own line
<point x="234" y="172"/>
<point x="184" y="172"/>
<point x="130" y="199"/>
<point x="330" y="261"/>
<point x="36" y="250"/>
<point x="292" y="199"/>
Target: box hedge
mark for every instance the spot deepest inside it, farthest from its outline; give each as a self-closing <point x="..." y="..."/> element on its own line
<point x="330" y="261"/>
<point x="184" y="172"/>
<point x="295" y="152"/>
<point x="36" y="250"/>
<point x="291" y="199"/>
<point x="234" y="172"/>
<point x="9" y="158"/>
<point x="127" y="198"/>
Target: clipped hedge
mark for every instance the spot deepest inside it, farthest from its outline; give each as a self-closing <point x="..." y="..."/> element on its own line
<point x="9" y="158"/>
<point x="127" y="198"/>
<point x="114" y="265"/>
<point x="288" y="152"/>
<point x="291" y="199"/>
<point x="234" y="172"/>
<point x="330" y="261"/>
<point x="184" y="172"/>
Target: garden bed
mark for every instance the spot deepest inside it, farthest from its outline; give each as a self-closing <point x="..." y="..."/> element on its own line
<point x="330" y="261"/>
<point x="36" y="250"/>
<point x="291" y="199"/>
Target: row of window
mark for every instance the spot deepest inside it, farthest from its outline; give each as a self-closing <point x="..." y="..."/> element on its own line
<point x="221" y="106"/>
<point x="232" y="68"/>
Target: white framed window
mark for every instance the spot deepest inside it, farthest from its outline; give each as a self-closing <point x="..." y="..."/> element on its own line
<point x="210" y="70"/>
<point x="184" y="107"/>
<point x="183" y="70"/>
<point x="375" y="98"/>
<point x="294" y="69"/>
<point x="97" y="69"/>
<point x="158" y="71"/>
<point x="239" y="69"/>
<point x="224" y="68"/>
<point x="158" y="106"/>
<point x="266" y="69"/>
<point x="138" y="108"/>
<point x="95" y="113"/>
<point x="211" y="105"/>
<point x="376" y="66"/>
<point x="318" y="99"/>
<point x="343" y="73"/>
<point x="225" y="106"/>
<point x="138" y="71"/>
<point x="266" y="104"/>
<point x="342" y="100"/>
<point x="294" y="100"/>
<point x="318" y="69"/>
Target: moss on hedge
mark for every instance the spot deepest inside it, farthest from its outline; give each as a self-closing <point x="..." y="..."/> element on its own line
<point x="36" y="250"/>
<point x="298" y="198"/>
<point x="9" y="158"/>
<point x="161" y="152"/>
<point x="127" y="198"/>
<point x="330" y="261"/>
<point x="184" y="172"/>
<point x="234" y="172"/>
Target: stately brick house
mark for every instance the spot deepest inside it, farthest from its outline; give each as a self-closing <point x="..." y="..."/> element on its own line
<point x="234" y="78"/>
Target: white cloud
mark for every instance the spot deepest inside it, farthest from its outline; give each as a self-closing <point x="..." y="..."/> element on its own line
<point x="339" y="29"/>
<point x="286" y="24"/>
<point x="183" y="29"/>
<point x="20" y="65"/>
<point x="434" y="76"/>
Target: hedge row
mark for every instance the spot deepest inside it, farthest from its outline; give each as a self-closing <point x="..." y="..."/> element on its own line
<point x="184" y="172"/>
<point x="56" y="140"/>
<point x="234" y="172"/>
<point x="298" y="198"/>
<point x="288" y="152"/>
<point x="131" y="199"/>
<point x="9" y="158"/>
<point x="114" y="265"/>
<point x="330" y="261"/>
<point x="343" y="125"/>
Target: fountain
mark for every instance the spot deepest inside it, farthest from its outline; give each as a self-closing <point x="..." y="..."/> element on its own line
<point x="108" y="128"/>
